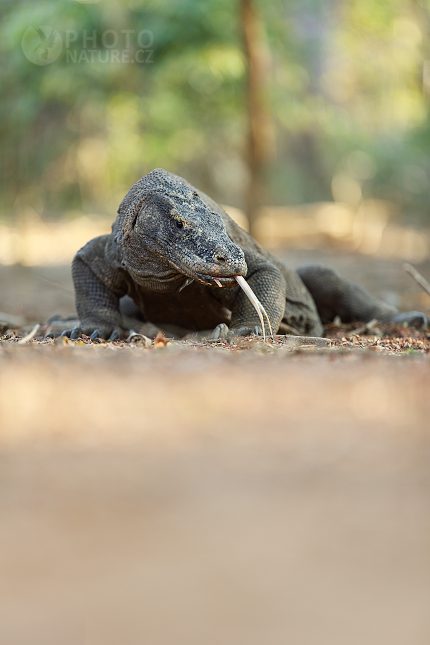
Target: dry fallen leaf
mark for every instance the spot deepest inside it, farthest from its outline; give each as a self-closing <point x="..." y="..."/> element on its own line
<point x="160" y="340"/>
<point x="63" y="341"/>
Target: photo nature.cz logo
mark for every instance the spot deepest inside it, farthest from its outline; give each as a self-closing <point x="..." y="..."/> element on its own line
<point x="43" y="45"/>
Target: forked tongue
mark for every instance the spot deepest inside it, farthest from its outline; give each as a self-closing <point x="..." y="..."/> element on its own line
<point x="255" y="303"/>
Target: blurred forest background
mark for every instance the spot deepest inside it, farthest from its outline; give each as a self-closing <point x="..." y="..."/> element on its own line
<point x="278" y="104"/>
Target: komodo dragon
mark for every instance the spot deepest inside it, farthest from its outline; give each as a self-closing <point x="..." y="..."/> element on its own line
<point x="175" y="252"/>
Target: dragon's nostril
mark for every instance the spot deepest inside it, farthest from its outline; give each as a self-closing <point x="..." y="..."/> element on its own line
<point x="220" y="258"/>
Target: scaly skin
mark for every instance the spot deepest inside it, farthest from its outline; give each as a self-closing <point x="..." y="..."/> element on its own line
<point x="170" y="242"/>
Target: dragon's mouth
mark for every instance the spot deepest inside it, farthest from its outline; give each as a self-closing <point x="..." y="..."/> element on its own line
<point x="217" y="280"/>
<point x="210" y="280"/>
<point x="213" y="276"/>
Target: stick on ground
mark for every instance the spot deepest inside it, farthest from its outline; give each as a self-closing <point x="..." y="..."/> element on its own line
<point x="29" y="336"/>
<point x="424" y="284"/>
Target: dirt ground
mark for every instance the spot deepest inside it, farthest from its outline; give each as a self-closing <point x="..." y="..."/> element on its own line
<point x="214" y="493"/>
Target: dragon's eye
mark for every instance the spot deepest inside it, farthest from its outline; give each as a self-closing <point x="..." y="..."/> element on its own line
<point x="179" y="224"/>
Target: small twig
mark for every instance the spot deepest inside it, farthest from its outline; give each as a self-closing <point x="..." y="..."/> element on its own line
<point x="29" y="336"/>
<point x="424" y="284"/>
<point x="364" y="328"/>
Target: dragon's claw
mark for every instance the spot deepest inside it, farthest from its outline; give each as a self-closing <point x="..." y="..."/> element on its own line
<point x="220" y="331"/>
<point x="75" y="333"/>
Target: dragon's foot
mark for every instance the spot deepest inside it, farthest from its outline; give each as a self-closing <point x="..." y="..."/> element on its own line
<point x="222" y="331"/>
<point x="411" y="318"/>
<point x="245" y="330"/>
<point x="95" y="330"/>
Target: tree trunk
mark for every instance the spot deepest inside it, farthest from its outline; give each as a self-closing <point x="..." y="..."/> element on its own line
<point x="260" y="144"/>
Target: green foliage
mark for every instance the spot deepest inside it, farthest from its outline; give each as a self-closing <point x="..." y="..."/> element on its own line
<point x="345" y="78"/>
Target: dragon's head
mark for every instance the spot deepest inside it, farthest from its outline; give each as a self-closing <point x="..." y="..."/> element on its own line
<point x="163" y="222"/>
